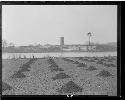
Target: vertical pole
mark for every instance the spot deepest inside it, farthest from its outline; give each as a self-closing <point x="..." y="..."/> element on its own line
<point x="89" y="40"/>
<point x="88" y="45"/>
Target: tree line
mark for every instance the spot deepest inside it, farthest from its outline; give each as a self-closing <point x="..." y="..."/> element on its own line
<point x="6" y="44"/>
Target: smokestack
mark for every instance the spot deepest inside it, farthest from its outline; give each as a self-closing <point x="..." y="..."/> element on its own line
<point x="61" y="41"/>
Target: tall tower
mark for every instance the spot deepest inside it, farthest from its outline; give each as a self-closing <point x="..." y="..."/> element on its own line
<point x="61" y="41"/>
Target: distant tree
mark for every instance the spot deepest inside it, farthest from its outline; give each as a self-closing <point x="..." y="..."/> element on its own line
<point x="11" y="44"/>
<point x="89" y="35"/>
<point x="4" y="43"/>
<point x="37" y="45"/>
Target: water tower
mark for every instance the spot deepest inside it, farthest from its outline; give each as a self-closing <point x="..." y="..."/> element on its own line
<point x="61" y="41"/>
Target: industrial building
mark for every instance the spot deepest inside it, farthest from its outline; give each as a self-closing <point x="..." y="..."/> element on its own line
<point x="76" y="47"/>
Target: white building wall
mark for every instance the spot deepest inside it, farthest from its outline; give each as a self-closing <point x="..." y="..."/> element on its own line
<point x="84" y="48"/>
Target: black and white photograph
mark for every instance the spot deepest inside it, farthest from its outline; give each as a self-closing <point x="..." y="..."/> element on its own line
<point x="59" y="50"/>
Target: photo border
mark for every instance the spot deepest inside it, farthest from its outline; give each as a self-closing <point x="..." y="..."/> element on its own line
<point x="70" y="3"/>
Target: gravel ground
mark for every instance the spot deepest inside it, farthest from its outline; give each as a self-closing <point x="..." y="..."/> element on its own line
<point x="60" y="76"/>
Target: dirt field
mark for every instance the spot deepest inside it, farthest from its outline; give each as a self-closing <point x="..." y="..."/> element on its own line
<point x="60" y="76"/>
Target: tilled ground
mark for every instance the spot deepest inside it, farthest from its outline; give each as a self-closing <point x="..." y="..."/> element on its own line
<point x="60" y="76"/>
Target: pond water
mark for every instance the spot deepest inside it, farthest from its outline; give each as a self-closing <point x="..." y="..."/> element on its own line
<point x="58" y="54"/>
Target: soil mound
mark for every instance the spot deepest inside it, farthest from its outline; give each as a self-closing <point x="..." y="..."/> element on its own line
<point x="18" y="74"/>
<point x="104" y="73"/>
<point x="60" y="76"/>
<point x="5" y="87"/>
<point x="70" y="87"/>
<point x="91" y="68"/>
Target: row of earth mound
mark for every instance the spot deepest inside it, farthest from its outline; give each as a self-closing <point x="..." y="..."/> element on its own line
<point x="69" y="87"/>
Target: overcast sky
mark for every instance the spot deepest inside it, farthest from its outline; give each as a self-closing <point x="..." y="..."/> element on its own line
<point x="29" y="24"/>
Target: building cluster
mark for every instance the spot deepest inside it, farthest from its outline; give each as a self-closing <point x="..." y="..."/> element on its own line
<point x="72" y="47"/>
<point x="62" y="46"/>
<point x="76" y="47"/>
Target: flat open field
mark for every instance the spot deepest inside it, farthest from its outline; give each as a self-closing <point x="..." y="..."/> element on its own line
<point x="60" y="76"/>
